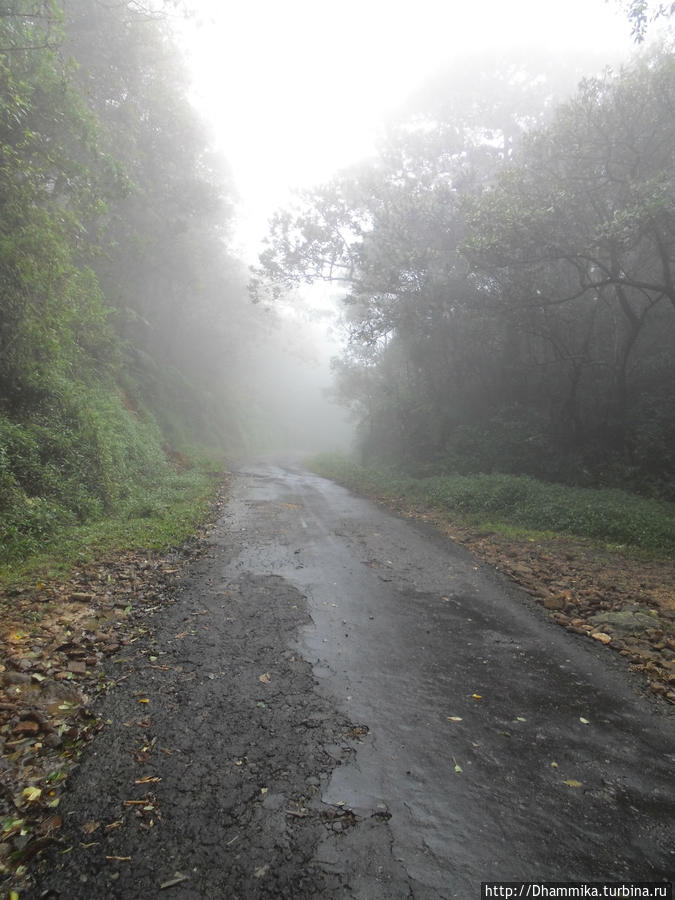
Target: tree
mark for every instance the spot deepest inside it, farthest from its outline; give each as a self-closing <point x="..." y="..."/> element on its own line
<point x="578" y="237"/>
<point x="643" y="13"/>
<point x="390" y="233"/>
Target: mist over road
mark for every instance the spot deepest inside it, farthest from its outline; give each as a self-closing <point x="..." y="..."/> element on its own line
<point x="353" y="707"/>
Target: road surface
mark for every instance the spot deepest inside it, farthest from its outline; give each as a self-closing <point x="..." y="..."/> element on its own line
<point x="341" y="703"/>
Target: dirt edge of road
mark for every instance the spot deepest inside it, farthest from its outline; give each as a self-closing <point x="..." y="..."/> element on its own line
<point x="623" y="602"/>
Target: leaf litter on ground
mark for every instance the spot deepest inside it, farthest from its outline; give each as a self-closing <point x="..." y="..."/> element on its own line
<point x="58" y="640"/>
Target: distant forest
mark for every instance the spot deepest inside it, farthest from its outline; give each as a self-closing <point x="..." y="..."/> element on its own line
<point x="508" y="266"/>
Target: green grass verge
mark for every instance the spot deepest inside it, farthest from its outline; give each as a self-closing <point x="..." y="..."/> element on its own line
<point x="518" y="502"/>
<point x="157" y="515"/>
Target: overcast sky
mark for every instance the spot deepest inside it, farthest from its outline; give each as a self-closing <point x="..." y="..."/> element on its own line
<point x="295" y="89"/>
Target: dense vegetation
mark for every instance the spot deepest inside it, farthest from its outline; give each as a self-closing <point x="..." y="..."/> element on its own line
<point x="508" y="262"/>
<point x="113" y="269"/>
<point x="518" y="503"/>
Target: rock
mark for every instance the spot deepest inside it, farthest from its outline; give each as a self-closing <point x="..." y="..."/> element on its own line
<point x="625" y="621"/>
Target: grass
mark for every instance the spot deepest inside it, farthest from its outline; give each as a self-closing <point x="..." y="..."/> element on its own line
<point x="510" y="502"/>
<point x="156" y="516"/>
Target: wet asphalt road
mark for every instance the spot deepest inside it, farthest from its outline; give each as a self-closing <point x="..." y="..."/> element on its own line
<point x="408" y="631"/>
<point x="431" y="727"/>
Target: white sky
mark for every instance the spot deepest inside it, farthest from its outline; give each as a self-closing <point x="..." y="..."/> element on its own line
<point x="295" y="89"/>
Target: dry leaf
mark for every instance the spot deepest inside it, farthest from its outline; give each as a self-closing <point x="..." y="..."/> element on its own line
<point x="265" y="678"/>
<point x="172" y="882"/>
<point x="572" y="782"/>
<point x="90" y="827"/>
<point x="584" y="721"/>
<point x="454" y="718"/>
<point x="477" y="696"/>
<point x="602" y="637"/>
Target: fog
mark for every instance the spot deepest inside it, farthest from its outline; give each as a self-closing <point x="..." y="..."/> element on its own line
<point x="288" y="385"/>
<point x="296" y="92"/>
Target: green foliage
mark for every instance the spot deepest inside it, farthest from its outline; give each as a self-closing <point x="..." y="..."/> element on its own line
<point x="117" y="291"/>
<point x="607" y="515"/>
<point x="159" y="514"/>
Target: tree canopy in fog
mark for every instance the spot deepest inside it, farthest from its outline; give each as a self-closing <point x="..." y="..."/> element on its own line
<point x="507" y="264"/>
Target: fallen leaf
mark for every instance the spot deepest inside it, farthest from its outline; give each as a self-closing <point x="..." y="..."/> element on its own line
<point x="458" y="768"/>
<point x="602" y="637"/>
<point x="144" y="700"/>
<point x="584" y="721"/>
<point x="177" y="879"/>
<point x="572" y="782"/>
<point x="520" y="719"/>
<point x="90" y="827"/>
<point x="265" y="678"/>
<point x="454" y="718"/>
<point x="31" y="794"/>
<point x="477" y="696"/>
<point x="554" y="765"/>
